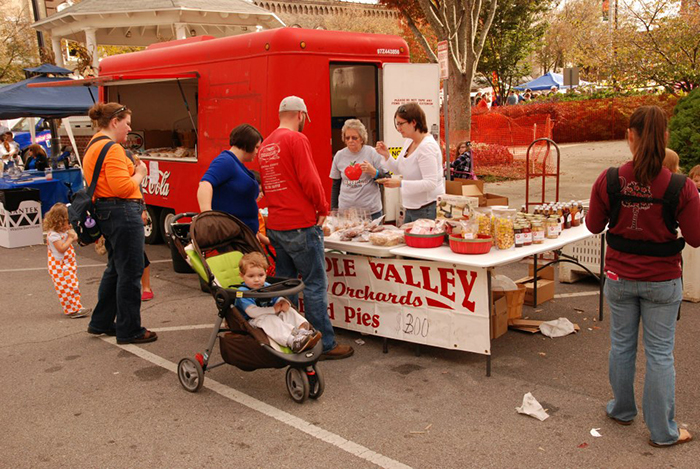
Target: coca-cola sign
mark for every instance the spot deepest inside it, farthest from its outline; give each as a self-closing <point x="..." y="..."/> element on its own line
<point x="157" y="186"/>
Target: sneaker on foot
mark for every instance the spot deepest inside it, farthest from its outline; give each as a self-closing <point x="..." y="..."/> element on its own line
<point x="298" y="342"/>
<point x="314" y="337"/>
<point x="80" y="313"/>
<point x="338" y="353"/>
<point x="147" y="295"/>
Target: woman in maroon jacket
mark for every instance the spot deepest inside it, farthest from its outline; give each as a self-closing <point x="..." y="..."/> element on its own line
<point x="643" y="270"/>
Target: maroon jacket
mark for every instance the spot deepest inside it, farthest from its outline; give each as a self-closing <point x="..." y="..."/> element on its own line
<point x="644" y="222"/>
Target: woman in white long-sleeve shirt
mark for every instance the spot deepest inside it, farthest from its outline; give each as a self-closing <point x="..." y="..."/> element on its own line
<point x="419" y="164"/>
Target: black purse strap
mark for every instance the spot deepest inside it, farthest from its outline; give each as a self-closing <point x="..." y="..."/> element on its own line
<point x="98" y="164"/>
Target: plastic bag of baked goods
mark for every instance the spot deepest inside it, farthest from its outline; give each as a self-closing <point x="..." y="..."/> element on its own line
<point x="388" y="237"/>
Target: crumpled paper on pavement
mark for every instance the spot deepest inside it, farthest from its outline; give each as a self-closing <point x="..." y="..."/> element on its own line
<point x="557" y="328"/>
<point x="532" y="408"/>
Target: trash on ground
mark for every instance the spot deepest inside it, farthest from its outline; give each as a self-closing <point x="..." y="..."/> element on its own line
<point x="532" y="408"/>
<point x="530" y="325"/>
<point x="557" y="328"/>
<point x="360" y="342"/>
<point x="542" y="354"/>
<point x="583" y="445"/>
<point x="595" y="433"/>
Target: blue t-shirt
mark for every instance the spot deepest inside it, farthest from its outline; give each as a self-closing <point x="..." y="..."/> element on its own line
<point x="235" y="189"/>
<point x="243" y="303"/>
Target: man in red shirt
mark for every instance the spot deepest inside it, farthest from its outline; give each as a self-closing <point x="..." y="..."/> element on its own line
<point x="297" y="207"/>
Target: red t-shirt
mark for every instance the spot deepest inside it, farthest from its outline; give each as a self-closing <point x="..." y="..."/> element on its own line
<point x="644" y="222"/>
<point x="290" y="181"/>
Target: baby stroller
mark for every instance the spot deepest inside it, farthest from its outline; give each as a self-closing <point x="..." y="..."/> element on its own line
<point x="219" y="240"/>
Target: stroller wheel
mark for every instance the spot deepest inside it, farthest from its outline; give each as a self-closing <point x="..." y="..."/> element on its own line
<point x="316" y="383"/>
<point x="297" y="384"/>
<point x="190" y="374"/>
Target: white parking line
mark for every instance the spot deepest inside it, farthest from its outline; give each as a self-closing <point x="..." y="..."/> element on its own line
<point x="32" y="269"/>
<point x="273" y="412"/>
<point x="572" y="295"/>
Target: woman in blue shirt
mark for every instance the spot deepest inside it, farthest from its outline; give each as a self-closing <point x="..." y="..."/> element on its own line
<point x="228" y="185"/>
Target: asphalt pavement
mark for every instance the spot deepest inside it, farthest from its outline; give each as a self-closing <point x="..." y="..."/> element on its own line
<point x="78" y="401"/>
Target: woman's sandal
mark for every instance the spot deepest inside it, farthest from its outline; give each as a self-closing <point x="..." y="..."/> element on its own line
<point x="148" y="336"/>
<point x="683" y="437"/>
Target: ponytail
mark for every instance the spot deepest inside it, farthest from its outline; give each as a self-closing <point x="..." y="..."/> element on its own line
<point x="649" y="124"/>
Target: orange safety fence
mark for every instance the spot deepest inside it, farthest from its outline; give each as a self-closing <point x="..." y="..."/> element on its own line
<point x="500" y="136"/>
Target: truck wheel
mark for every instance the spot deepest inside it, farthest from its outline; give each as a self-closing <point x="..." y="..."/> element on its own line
<point x="166" y="215"/>
<point x="152" y="226"/>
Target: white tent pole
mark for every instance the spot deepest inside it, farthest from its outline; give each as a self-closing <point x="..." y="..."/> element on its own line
<point x="32" y="128"/>
<point x="71" y="137"/>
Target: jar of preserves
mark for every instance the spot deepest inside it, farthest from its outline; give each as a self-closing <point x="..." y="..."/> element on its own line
<point x="538" y="232"/>
<point x="519" y="237"/>
<point x="527" y="235"/>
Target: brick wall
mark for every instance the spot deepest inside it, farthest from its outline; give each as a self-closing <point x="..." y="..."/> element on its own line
<point x="81" y="141"/>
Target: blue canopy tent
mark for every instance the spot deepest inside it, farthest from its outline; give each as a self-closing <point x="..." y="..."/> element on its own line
<point x="17" y="100"/>
<point x="545" y="82"/>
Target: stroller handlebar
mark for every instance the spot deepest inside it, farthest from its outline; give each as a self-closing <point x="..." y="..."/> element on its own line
<point x="283" y="287"/>
<point x="183" y="215"/>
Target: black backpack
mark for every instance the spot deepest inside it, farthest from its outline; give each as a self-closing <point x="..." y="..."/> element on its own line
<point x="81" y="210"/>
<point x="669" y="203"/>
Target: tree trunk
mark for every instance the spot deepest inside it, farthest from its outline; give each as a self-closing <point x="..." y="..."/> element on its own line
<point x="460" y="104"/>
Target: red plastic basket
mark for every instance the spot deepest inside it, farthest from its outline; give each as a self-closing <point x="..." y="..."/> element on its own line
<point x="470" y="246"/>
<point x="424" y="240"/>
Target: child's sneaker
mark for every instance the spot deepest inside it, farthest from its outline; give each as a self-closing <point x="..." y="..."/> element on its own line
<point x="314" y="337"/>
<point x="298" y="342"/>
<point x="80" y="313"/>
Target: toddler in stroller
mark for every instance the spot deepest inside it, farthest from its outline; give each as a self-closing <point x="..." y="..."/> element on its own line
<point x="274" y="315"/>
<point x="219" y="242"/>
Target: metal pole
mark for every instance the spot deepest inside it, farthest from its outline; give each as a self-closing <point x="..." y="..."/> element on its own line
<point x="447" y="131"/>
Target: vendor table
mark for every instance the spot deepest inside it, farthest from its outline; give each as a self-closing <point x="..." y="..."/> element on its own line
<point x="365" y="249"/>
<point x="429" y="296"/>
<point x="51" y="192"/>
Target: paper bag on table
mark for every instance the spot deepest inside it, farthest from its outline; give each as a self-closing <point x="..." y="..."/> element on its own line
<point x="532" y="408"/>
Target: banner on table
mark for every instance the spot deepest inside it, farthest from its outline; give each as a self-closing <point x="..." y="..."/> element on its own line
<point x="431" y="303"/>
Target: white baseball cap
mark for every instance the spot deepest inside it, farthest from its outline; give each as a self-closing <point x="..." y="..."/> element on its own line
<point x="294" y="103"/>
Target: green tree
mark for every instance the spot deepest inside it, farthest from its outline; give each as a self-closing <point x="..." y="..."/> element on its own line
<point x="517" y="28"/>
<point x="684" y="130"/>
<point x="18" y="46"/>
<point x="464" y="24"/>
<point x="661" y="44"/>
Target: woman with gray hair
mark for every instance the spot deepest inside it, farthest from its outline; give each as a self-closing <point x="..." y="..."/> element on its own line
<point x="354" y="172"/>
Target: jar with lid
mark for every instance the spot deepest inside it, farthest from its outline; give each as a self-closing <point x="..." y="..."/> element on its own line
<point x="566" y="211"/>
<point x="527" y="234"/>
<point x="538" y="232"/>
<point x="552" y="226"/>
<point x="504" y="233"/>
<point x="519" y="237"/>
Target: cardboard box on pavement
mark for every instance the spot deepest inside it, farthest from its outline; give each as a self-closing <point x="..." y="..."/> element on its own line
<point x="545" y="290"/>
<point x="499" y="318"/>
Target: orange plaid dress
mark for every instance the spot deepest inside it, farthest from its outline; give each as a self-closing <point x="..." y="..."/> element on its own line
<point x="64" y="274"/>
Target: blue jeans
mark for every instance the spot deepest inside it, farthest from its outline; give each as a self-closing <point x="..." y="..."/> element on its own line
<point x="301" y="252"/>
<point x="656" y="304"/>
<point x="119" y="294"/>
<point x="428" y="211"/>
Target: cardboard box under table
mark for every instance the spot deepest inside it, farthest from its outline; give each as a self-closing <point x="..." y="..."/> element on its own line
<point x="477" y="271"/>
<point x="499" y="317"/>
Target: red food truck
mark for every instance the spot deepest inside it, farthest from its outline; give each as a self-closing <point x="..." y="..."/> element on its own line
<point x="186" y="96"/>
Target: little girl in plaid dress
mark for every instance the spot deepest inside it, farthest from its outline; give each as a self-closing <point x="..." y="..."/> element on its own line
<point x="62" y="266"/>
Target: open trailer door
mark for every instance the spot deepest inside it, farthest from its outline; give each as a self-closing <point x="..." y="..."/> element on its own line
<point x="401" y="84"/>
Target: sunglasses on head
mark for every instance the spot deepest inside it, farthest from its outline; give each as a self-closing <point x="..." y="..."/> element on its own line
<point x="117" y="112"/>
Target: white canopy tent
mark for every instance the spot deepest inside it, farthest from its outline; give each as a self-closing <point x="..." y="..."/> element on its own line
<point x="139" y="23"/>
